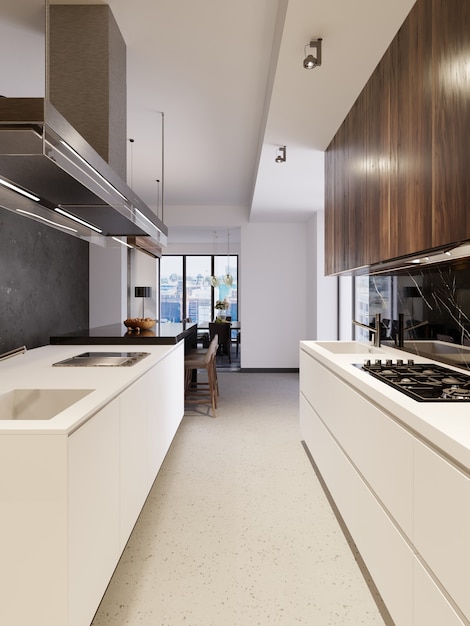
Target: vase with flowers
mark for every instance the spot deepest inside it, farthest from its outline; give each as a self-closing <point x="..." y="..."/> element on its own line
<point x="221" y="307"/>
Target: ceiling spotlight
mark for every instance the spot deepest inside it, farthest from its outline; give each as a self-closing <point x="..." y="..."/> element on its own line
<point x="281" y="154"/>
<point x="311" y="61"/>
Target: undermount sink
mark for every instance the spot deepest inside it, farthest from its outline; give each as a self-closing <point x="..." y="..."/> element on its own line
<point x="347" y="347"/>
<point x="38" y="404"/>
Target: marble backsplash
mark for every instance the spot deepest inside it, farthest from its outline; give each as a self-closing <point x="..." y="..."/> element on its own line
<point x="434" y="302"/>
<point x="437" y="295"/>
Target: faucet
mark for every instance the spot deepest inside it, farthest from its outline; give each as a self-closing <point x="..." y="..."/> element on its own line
<point x="400" y="337"/>
<point x="10" y="353"/>
<point x="376" y="330"/>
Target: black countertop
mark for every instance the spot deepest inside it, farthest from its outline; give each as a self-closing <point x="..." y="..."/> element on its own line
<point x="161" y="334"/>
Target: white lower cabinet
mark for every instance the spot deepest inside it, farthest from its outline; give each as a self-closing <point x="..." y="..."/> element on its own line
<point x="151" y="411"/>
<point x="442" y="522"/>
<point x="430" y="606"/>
<point x="386" y="554"/>
<point x="93" y="512"/>
<point x="69" y="502"/>
<point x="134" y="454"/>
<point x="406" y="506"/>
<point x="33" y="530"/>
<point x="166" y="393"/>
<point x="377" y="446"/>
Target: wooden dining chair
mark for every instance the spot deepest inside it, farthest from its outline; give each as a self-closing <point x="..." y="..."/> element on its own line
<point x="224" y="332"/>
<point x="201" y="391"/>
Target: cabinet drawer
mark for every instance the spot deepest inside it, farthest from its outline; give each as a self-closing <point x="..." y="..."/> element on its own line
<point x="442" y="522"/>
<point x="430" y="604"/>
<point x="94" y="549"/>
<point x="379" y="448"/>
<point x="385" y="553"/>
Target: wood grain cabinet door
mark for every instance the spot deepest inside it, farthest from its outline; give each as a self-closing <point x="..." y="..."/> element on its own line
<point x="336" y="208"/>
<point x="451" y="121"/>
<point x="379" y="169"/>
<point x="411" y="133"/>
<point x="356" y="225"/>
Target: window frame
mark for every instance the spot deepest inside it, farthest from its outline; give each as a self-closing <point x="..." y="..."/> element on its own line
<point x="184" y="299"/>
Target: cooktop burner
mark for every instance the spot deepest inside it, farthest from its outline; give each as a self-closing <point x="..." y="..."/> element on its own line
<point x="421" y="381"/>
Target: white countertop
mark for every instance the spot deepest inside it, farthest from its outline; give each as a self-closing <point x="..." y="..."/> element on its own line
<point x="445" y="425"/>
<point x="34" y="370"/>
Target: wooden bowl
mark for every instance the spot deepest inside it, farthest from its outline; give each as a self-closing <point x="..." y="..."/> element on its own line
<point x="139" y="323"/>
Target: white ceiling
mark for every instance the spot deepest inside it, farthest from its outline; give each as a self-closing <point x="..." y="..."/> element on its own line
<point x="230" y="81"/>
<point x="228" y="77"/>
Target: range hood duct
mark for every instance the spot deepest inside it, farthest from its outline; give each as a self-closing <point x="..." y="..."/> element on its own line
<point x="41" y="153"/>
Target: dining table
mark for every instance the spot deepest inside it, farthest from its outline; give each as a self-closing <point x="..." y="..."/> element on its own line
<point x="234" y="326"/>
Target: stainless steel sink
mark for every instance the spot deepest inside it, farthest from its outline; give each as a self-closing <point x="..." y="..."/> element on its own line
<point x="103" y="359"/>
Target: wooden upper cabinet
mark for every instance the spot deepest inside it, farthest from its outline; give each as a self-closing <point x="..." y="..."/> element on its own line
<point x="330" y="249"/>
<point x="398" y="183"/>
<point x="451" y="129"/>
<point x="340" y="209"/>
<point x="379" y="168"/>
<point x="411" y="134"/>
<point x="336" y="209"/>
<point x="355" y="181"/>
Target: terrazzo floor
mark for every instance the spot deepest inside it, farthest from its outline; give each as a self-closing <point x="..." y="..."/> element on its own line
<point x="237" y="530"/>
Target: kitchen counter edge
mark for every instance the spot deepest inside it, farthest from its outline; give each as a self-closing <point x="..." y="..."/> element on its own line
<point x="445" y="426"/>
<point x="34" y="370"/>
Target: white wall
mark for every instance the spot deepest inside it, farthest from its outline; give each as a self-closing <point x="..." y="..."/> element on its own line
<point x="108" y="285"/>
<point x="322" y="291"/>
<point x="23" y="48"/>
<point x="143" y="273"/>
<point x="273" y="294"/>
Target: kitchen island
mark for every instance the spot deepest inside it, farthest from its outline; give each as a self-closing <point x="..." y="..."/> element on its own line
<point x="398" y="471"/>
<point x="73" y="482"/>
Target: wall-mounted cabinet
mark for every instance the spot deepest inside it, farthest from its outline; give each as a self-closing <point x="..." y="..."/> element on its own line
<point x="396" y="183"/>
<point x="411" y="134"/>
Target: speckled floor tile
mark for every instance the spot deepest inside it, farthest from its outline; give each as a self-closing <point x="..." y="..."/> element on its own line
<point x="237" y="530"/>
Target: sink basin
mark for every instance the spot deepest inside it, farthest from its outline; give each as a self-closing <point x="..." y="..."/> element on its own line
<point x="38" y="404"/>
<point x="347" y="347"/>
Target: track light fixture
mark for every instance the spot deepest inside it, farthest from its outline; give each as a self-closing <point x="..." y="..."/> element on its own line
<point x="281" y="154"/>
<point x="311" y="61"/>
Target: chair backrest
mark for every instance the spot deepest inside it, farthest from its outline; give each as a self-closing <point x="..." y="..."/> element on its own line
<point x="222" y="329"/>
<point x="212" y="349"/>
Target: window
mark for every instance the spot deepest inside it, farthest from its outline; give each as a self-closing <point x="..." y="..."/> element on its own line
<point x="186" y="290"/>
<point x="224" y="265"/>
<point x="171" y="288"/>
<point x="374" y="294"/>
<point x="199" y="305"/>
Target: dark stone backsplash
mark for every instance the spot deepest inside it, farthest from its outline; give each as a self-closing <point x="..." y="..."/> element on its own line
<point x="44" y="285"/>
<point x="439" y="295"/>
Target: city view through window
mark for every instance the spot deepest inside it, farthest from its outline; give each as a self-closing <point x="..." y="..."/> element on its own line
<point x="186" y="289"/>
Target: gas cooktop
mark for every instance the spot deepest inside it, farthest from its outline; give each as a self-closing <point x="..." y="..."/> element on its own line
<point x="423" y="382"/>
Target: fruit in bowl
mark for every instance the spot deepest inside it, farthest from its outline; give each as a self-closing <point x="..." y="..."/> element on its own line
<point x="139" y="323"/>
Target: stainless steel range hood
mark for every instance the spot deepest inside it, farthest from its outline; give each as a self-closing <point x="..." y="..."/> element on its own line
<point x="43" y="155"/>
